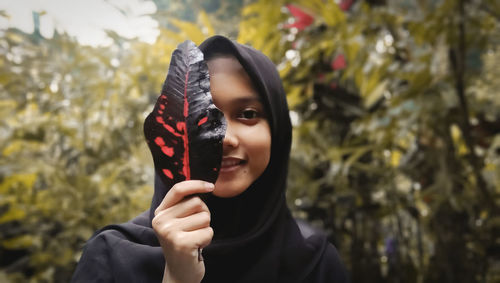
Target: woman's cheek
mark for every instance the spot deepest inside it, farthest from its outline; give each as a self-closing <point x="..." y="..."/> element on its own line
<point x="261" y="147"/>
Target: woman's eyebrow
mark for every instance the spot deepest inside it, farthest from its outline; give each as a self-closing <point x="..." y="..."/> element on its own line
<point x="247" y="99"/>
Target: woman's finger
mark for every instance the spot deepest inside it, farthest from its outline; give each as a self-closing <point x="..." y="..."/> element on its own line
<point x="198" y="238"/>
<point x="168" y="227"/>
<point x="194" y="222"/>
<point x="186" y="207"/>
<point x="182" y="189"/>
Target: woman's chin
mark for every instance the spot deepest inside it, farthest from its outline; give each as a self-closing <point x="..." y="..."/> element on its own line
<point x="223" y="193"/>
<point x="228" y="189"/>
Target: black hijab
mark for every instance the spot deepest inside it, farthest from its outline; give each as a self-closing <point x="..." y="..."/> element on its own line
<point x="255" y="237"/>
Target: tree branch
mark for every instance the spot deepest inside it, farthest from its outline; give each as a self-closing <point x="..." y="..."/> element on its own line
<point x="458" y="56"/>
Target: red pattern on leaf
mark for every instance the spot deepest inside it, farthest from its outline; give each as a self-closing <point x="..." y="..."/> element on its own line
<point x="203" y="121"/>
<point x="169" y="151"/>
<point x="160" y="120"/>
<point x="168" y="173"/>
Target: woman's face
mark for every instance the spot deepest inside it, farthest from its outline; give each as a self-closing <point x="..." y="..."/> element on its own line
<point x="247" y="144"/>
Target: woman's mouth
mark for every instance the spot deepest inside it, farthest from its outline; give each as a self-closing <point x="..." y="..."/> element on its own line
<point x="230" y="164"/>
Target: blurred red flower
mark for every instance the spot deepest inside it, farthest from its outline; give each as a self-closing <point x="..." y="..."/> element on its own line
<point x="302" y="19"/>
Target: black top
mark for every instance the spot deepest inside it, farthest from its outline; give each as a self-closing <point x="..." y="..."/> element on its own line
<point x="255" y="237"/>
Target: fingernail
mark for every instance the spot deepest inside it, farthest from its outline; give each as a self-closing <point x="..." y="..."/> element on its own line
<point x="209" y="186"/>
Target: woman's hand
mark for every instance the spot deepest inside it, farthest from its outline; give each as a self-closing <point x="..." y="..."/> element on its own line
<point x="182" y="226"/>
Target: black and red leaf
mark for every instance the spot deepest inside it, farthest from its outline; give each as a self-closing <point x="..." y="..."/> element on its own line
<point x="185" y="130"/>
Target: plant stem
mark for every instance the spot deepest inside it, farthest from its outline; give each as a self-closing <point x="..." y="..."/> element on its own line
<point x="458" y="62"/>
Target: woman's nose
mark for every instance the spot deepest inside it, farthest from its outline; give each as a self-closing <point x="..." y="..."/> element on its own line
<point x="230" y="140"/>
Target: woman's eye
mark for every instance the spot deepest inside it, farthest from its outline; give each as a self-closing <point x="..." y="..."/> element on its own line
<point x="249" y="114"/>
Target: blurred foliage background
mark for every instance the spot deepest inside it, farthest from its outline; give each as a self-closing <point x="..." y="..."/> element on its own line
<point x="396" y="114"/>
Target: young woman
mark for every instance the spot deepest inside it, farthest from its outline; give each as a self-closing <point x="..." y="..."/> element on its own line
<point x="244" y="228"/>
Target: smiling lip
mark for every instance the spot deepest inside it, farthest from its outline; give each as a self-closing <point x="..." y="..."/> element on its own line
<point x="230" y="164"/>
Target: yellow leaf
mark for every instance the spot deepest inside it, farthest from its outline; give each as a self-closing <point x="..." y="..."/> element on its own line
<point x="352" y="51"/>
<point x="14" y="37"/>
<point x="395" y="158"/>
<point x="456" y="135"/>
<point x="65" y="257"/>
<point x="13" y="147"/>
<point x="375" y="94"/>
<point x="293" y="96"/>
<point x="355" y="156"/>
<point x="4" y="14"/>
<point x="284" y="69"/>
<point x="369" y="82"/>
<point x="207" y="28"/>
<point x="19" y="242"/>
<point x="271" y="46"/>
<point x="490" y="166"/>
<point x="27" y="180"/>
<point x="12" y="214"/>
<point x="251" y="9"/>
<point x="17" y="146"/>
<point x="8" y="103"/>
<point x="189" y="30"/>
<point x="484" y="214"/>
<point x="135" y="93"/>
<point x="328" y="10"/>
<point x="41" y="257"/>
